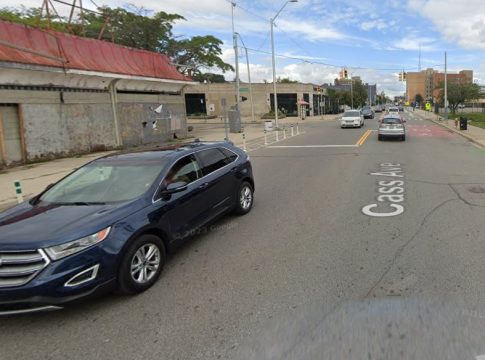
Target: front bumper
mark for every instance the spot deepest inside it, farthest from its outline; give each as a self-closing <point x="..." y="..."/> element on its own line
<point x="50" y="290"/>
<point x="352" y="124"/>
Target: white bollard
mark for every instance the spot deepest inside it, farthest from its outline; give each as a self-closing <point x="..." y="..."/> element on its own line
<point x="292" y="134"/>
<point x="284" y="133"/>
<point x="265" y="138"/>
<point x="244" y="141"/>
<point x="297" y="129"/>
<point x="18" y="191"/>
<point x="277" y="137"/>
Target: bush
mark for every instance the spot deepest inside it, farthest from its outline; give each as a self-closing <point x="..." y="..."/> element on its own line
<point x="270" y="115"/>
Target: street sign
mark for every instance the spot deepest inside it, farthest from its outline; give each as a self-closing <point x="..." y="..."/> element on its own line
<point x="243" y="89"/>
<point x="428" y="106"/>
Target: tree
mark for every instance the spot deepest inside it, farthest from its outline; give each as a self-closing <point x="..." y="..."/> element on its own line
<point x="209" y="77"/>
<point x="286" y="81"/>
<point x="197" y="53"/>
<point x="418" y="99"/>
<point x="359" y="94"/>
<point x="135" y="28"/>
<point x="458" y="94"/>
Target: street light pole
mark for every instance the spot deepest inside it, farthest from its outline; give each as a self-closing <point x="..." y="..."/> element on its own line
<point x="446" y="89"/>
<point x="351" y="91"/>
<point x="236" y="55"/>
<point x="275" y="97"/>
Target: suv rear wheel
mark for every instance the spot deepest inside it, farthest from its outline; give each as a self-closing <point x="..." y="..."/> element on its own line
<point x="244" y="198"/>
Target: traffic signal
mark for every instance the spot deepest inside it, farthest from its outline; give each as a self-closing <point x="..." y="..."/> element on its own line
<point x="404" y="76"/>
<point x="346" y="74"/>
<point x="243" y="98"/>
<point x="400" y="76"/>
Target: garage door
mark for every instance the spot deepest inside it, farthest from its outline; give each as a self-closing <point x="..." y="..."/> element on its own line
<point x="12" y="148"/>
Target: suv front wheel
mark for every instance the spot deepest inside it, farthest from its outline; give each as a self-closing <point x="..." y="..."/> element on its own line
<point x="244" y="198"/>
<point x="141" y="265"/>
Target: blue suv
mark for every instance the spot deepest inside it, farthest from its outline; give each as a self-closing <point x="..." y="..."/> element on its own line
<point x="110" y="224"/>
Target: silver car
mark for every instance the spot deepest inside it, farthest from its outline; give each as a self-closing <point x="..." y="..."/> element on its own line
<point x="392" y="126"/>
<point x="352" y="118"/>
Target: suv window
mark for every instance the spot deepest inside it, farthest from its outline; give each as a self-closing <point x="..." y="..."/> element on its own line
<point x="231" y="156"/>
<point x="186" y="169"/>
<point x="212" y="159"/>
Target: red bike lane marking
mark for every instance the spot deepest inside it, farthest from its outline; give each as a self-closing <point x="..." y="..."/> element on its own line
<point x="428" y="130"/>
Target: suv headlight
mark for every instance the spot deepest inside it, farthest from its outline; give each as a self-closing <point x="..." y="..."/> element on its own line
<point x="60" y="251"/>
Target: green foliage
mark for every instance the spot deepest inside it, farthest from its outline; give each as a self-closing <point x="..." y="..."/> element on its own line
<point x="286" y="81"/>
<point x="199" y="52"/>
<point x="458" y="94"/>
<point x="210" y="77"/>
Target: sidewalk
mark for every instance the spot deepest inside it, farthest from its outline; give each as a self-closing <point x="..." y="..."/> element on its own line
<point x="35" y="177"/>
<point x="473" y="133"/>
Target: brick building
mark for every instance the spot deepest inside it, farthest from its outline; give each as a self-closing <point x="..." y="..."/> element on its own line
<point x="427" y="83"/>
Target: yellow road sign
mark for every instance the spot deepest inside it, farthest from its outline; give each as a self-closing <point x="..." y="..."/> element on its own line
<point x="428" y="106"/>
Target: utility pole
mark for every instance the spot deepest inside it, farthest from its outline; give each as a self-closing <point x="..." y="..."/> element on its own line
<point x="351" y="91"/>
<point x="236" y="57"/>
<point x="249" y="79"/>
<point x="273" y="61"/>
<point x="446" y="88"/>
<point x="275" y="99"/>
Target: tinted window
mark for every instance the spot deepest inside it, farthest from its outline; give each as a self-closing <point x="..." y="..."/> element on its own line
<point x="212" y="159"/>
<point x="229" y="154"/>
<point x="391" y="121"/>
<point x="186" y="169"/>
<point x="352" y="113"/>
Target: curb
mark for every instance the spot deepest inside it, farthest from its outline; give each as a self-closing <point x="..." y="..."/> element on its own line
<point x="466" y="136"/>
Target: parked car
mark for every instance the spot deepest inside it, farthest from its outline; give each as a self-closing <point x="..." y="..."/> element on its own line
<point x="391" y="126"/>
<point x="110" y="224"/>
<point x="352" y="118"/>
<point x="367" y="112"/>
<point x="378" y="109"/>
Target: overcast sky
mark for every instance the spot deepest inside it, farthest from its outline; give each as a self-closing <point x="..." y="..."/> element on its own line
<point x="373" y="39"/>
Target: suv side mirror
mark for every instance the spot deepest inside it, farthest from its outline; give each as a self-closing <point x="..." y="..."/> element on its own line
<point x="175" y="187"/>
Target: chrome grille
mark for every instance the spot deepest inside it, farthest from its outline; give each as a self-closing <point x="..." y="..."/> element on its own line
<point x="19" y="267"/>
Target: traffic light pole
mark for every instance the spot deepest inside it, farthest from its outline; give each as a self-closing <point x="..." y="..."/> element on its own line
<point x="446" y="88"/>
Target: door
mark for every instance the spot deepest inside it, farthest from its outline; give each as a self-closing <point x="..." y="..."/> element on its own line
<point x="10" y="142"/>
<point x="185" y="208"/>
<point x="219" y="180"/>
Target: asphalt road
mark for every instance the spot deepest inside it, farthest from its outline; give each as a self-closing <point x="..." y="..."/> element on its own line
<point x="307" y="267"/>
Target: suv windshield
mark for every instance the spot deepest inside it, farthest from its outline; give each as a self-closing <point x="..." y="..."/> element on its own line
<point x="105" y="182"/>
<point x="352" y="114"/>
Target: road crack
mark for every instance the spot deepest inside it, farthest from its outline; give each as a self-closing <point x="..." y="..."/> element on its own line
<point x="399" y="251"/>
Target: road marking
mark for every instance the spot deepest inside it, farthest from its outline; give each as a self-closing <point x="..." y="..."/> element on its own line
<point x="390" y="192"/>
<point x="480" y="357"/>
<point x="311" y="146"/>
<point x="363" y="138"/>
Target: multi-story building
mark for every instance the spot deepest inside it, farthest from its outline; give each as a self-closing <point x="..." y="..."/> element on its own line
<point x="427" y="83"/>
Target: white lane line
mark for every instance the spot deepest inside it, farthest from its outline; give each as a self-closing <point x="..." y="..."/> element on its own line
<point x="313" y="146"/>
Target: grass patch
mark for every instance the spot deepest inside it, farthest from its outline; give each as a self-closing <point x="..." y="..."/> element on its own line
<point x="477" y="119"/>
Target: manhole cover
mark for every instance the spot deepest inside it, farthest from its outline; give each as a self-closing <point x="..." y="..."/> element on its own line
<point x="479" y="189"/>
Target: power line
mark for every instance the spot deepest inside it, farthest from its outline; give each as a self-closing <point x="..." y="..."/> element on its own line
<point x="315" y="62"/>
<point x="246" y="10"/>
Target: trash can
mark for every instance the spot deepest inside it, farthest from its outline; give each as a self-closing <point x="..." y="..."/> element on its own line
<point x="234" y="121"/>
<point x="268" y="125"/>
<point x="463" y="123"/>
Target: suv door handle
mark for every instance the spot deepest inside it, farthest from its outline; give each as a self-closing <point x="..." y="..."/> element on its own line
<point x="204" y="185"/>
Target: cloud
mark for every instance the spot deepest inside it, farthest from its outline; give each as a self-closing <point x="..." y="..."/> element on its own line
<point x="377" y="24"/>
<point x="458" y="22"/>
<point x="415" y="42"/>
